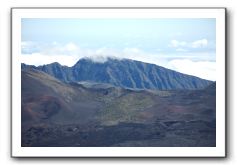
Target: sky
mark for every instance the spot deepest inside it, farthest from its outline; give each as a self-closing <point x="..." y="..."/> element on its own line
<point x="186" y="45"/>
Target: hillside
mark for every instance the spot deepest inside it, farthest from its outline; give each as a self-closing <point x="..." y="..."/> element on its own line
<point x="55" y="113"/>
<point x="123" y="73"/>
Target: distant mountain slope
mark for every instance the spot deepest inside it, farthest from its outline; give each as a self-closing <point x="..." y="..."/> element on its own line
<point x="123" y="73"/>
<point x="55" y="113"/>
<point x="211" y="88"/>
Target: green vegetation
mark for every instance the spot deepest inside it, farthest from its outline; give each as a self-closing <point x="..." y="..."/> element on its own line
<point x="125" y="109"/>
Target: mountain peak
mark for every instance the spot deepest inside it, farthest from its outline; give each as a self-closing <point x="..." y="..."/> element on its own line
<point x="55" y="63"/>
<point x="124" y="73"/>
<point x="98" y="59"/>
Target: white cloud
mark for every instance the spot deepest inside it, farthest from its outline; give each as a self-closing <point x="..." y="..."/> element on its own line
<point x="202" y="69"/>
<point x="71" y="47"/>
<point x="182" y="44"/>
<point x="198" y="64"/>
<point x="56" y="48"/>
<point x="175" y="44"/>
<point x="199" y="43"/>
<point x="28" y="46"/>
<point x="25" y="44"/>
<point x="104" y="51"/>
<point x="41" y="59"/>
<point x="100" y="59"/>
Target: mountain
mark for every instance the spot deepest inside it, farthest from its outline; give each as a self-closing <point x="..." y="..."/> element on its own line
<point x="123" y="73"/>
<point x="55" y="113"/>
<point x="211" y="88"/>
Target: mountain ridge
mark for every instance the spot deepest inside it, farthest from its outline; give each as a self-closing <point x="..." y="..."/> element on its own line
<point x="124" y="73"/>
<point x="59" y="114"/>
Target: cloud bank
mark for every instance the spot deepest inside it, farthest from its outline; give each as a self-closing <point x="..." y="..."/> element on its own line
<point x="183" y="44"/>
<point x="200" y="64"/>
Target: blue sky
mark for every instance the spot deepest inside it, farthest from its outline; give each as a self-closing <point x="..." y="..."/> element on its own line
<point x="177" y="44"/>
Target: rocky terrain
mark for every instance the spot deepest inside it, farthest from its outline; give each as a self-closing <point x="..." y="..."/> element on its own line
<point x="86" y="113"/>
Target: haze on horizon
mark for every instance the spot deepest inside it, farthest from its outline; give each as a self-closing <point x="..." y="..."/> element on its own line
<point x="184" y="45"/>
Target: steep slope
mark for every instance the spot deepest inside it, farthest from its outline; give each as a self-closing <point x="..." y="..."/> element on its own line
<point x="123" y="73"/>
<point x="55" y="113"/>
<point x="48" y="100"/>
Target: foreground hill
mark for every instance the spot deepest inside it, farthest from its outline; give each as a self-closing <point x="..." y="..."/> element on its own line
<point x="123" y="73"/>
<point x="55" y="113"/>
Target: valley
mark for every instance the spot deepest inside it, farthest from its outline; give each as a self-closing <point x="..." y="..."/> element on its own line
<point x="86" y="114"/>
